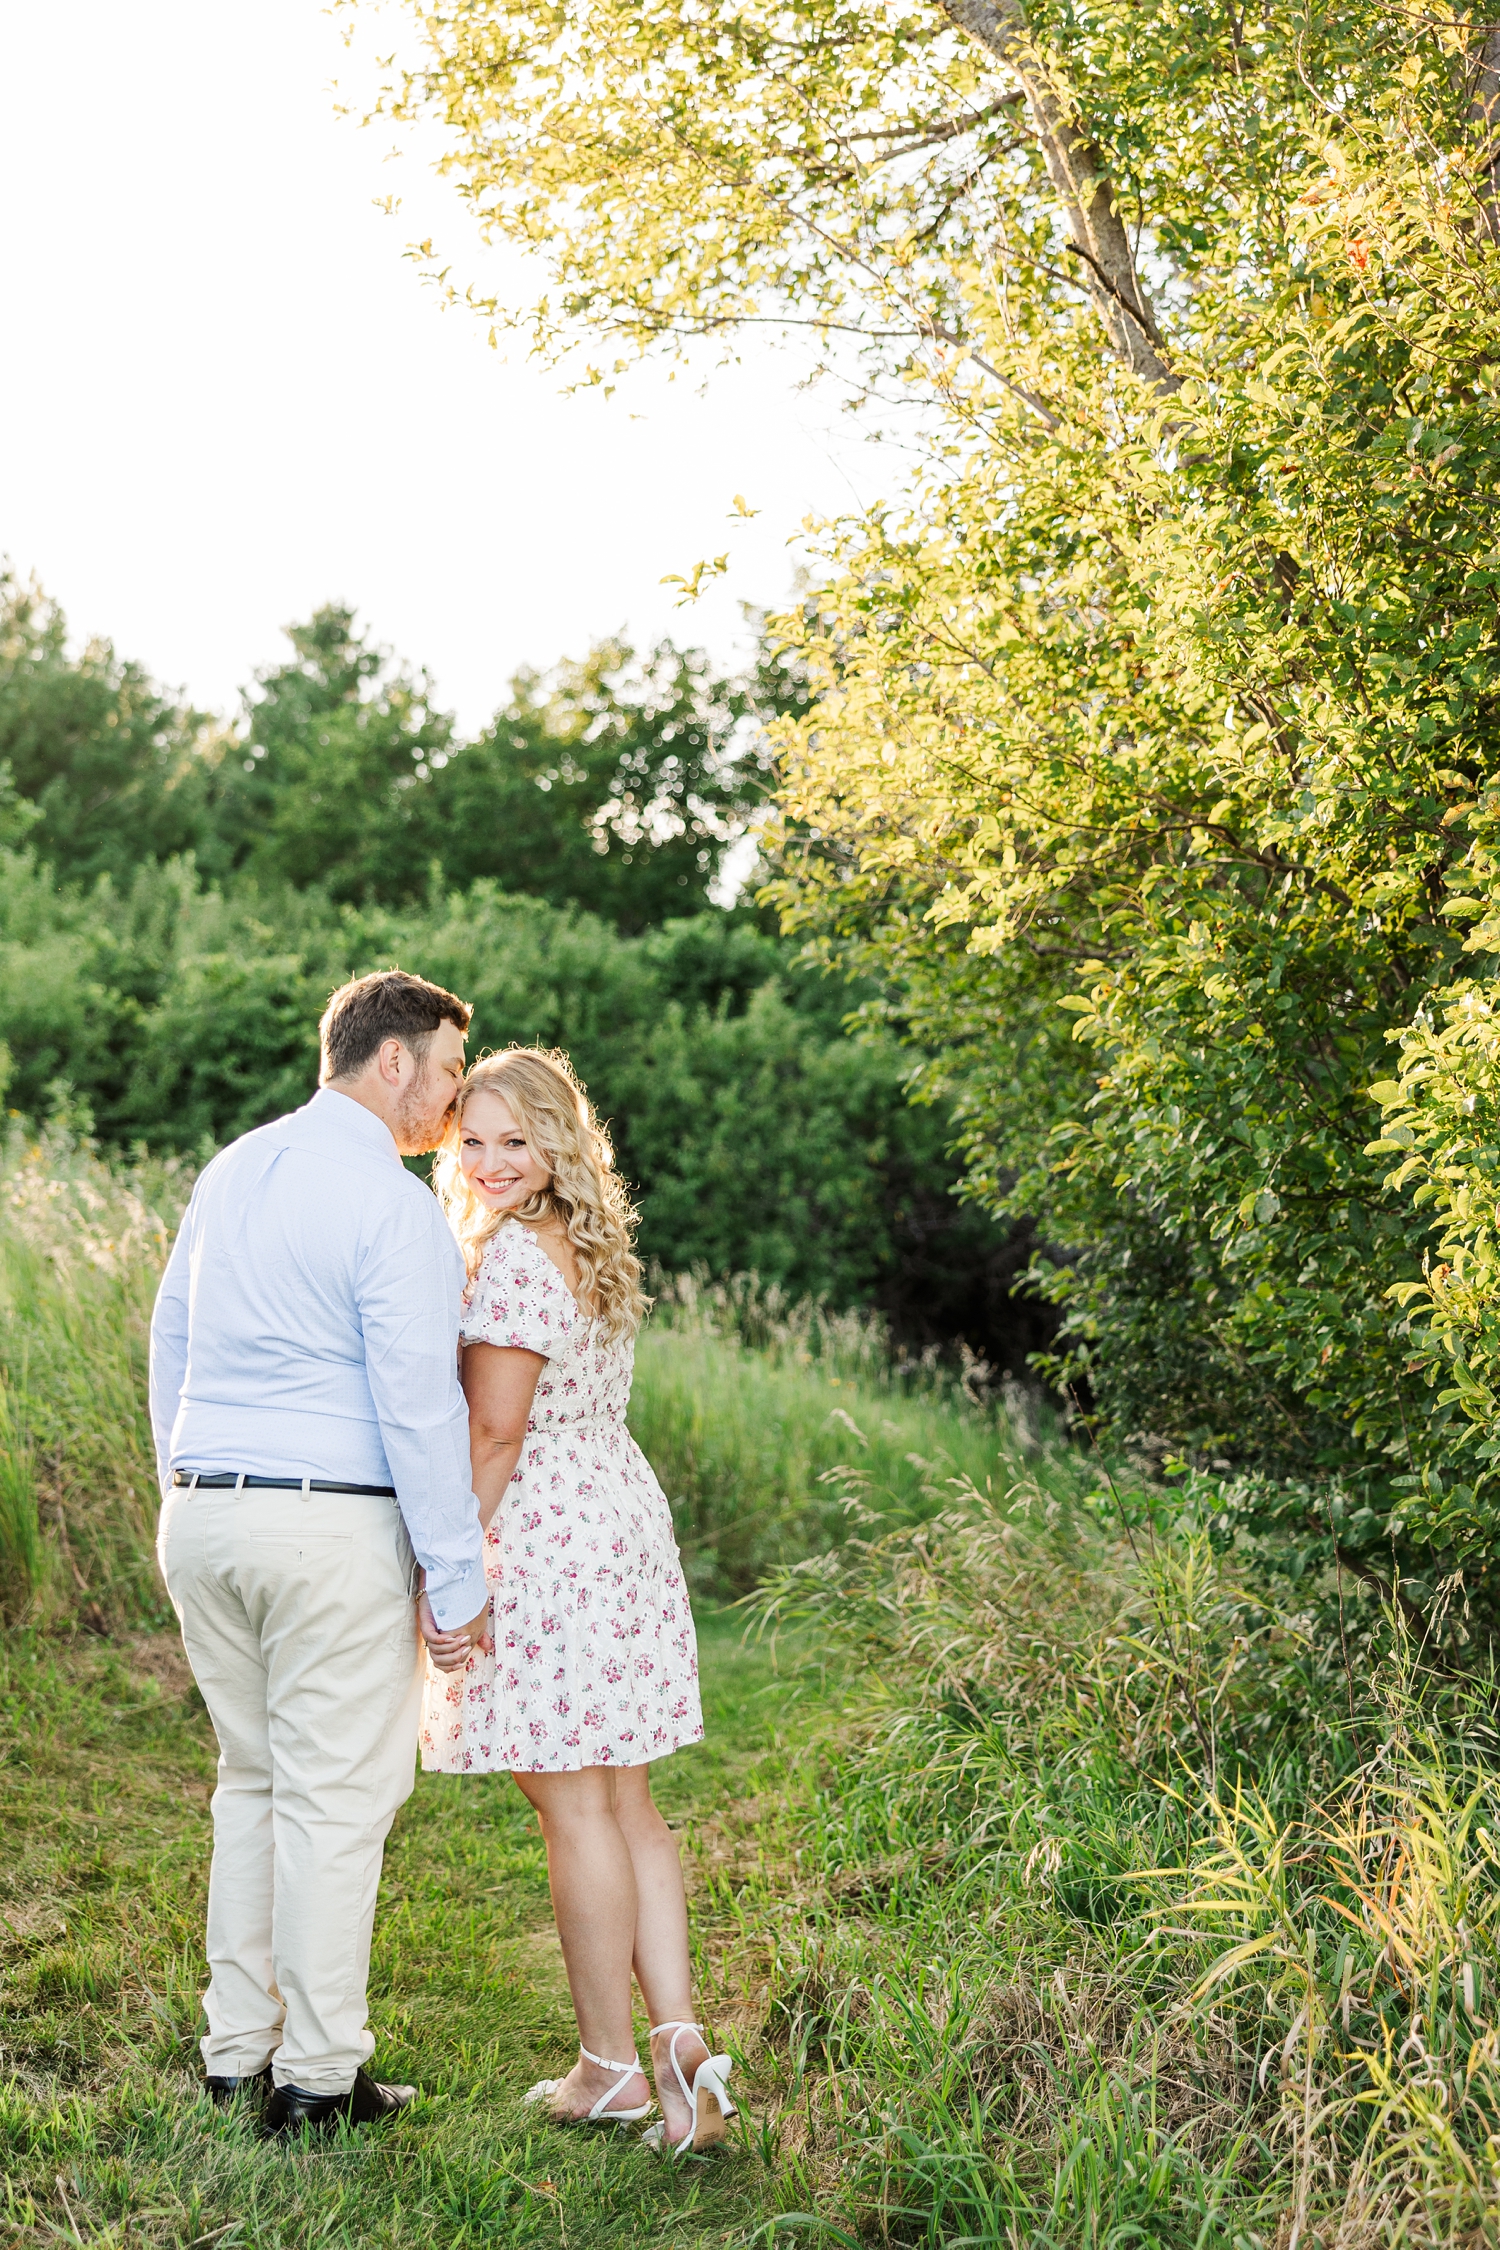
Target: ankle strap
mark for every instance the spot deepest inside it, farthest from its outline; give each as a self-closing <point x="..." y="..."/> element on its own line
<point x="677" y="2030"/>
<point x="622" y="2070"/>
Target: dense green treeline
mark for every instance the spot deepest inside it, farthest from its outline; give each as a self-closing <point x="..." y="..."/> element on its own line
<point x="616" y="782"/>
<point x="178" y="897"/>
<point x="757" y="1133"/>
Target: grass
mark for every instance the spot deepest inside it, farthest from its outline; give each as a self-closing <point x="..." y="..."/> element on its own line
<point x="1119" y="1912"/>
<point x="777" y="1427"/>
<point x="105" y="2137"/>
<point x="81" y="1247"/>
<point x="770" y="1424"/>
<point x="1023" y="1925"/>
<point x="1060" y="1881"/>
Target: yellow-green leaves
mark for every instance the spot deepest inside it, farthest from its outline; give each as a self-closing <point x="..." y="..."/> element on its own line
<point x="1151" y="745"/>
<point x="702" y="573"/>
<point x="1443" y="1123"/>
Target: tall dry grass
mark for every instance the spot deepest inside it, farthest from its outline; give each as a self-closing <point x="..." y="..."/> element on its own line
<point x="1132" y="1913"/>
<point x="778" y="1426"/>
<point x="82" y="1242"/>
<point x="773" y="1424"/>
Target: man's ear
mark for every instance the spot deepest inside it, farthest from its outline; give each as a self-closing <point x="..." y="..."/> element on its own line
<point x="389" y="1057"/>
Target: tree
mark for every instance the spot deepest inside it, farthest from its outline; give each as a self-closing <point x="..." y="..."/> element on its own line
<point x="117" y="771"/>
<point x="682" y="171"/>
<point x="753" y="1131"/>
<point x="326" y="786"/>
<point x="616" y="782"/>
<point x="1164" y="696"/>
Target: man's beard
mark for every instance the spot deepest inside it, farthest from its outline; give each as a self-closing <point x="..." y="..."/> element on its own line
<point x="416" y="1130"/>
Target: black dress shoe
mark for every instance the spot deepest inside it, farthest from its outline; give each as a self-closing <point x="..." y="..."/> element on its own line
<point x="292" y="2110"/>
<point x="225" y="2092"/>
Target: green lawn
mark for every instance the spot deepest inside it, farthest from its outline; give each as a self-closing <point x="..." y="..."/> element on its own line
<point x="105" y="2138"/>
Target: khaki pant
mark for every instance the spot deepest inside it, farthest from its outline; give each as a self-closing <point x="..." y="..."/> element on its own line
<point x="299" y="1623"/>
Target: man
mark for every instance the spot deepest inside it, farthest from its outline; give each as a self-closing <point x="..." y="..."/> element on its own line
<point x="313" y="1447"/>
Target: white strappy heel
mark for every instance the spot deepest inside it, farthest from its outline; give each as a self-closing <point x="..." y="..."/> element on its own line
<point x="707" y="2098"/>
<point x="601" y="2113"/>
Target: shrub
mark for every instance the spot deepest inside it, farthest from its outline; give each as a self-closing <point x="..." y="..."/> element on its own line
<point x="756" y="1133"/>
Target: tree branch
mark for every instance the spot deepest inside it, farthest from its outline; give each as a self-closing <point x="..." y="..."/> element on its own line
<point x="932" y="134"/>
<point x="1076" y="168"/>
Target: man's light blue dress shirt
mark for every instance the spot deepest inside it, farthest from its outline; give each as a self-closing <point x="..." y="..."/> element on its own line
<point x="307" y="1326"/>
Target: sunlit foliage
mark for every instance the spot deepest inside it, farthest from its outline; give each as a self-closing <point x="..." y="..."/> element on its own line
<point x="1159" y="695"/>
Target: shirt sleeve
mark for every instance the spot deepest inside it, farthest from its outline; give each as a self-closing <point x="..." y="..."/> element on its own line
<point x="517" y="1302"/>
<point x="410" y="1281"/>
<point x="169" y="1346"/>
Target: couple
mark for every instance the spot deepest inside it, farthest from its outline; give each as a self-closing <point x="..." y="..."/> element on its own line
<point x="333" y="1498"/>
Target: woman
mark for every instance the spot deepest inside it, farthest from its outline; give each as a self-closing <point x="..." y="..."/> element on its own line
<point x="593" y="1670"/>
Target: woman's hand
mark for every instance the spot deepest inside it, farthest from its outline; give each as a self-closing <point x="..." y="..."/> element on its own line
<point x="450" y="1651"/>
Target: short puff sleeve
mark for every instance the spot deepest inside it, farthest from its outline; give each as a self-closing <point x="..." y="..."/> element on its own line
<point x="518" y="1299"/>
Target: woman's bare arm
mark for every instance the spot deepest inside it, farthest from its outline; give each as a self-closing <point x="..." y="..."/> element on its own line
<point x="499" y="1383"/>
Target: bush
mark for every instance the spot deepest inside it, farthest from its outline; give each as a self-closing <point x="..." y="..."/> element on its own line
<point x="756" y="1133"/>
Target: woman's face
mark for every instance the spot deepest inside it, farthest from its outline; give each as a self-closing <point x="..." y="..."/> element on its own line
<point x="497" y="1163"/>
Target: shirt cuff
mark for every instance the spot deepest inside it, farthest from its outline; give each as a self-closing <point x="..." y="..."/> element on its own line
<point x="456" y="1600"/>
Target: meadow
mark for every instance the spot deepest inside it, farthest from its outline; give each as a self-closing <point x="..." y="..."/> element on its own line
<point x="1059" y="1878"/>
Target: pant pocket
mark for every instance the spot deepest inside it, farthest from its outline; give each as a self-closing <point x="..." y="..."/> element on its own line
<point x="405" y="1559"/>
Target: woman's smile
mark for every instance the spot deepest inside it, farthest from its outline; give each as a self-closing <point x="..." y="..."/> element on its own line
<point x="496" y="1183"/>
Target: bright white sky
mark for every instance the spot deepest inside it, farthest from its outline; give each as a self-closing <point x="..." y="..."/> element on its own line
<point x="226" y="397"/>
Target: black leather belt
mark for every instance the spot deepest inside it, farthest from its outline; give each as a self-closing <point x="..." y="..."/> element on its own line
<point x="227" y="1481"/>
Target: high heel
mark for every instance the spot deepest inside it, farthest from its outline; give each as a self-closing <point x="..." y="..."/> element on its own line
<point x="601" y="2113"/>
<point x="707" y="2098"/>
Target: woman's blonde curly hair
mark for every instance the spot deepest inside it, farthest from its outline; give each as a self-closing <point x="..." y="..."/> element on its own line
<point x="586" y="1193"/>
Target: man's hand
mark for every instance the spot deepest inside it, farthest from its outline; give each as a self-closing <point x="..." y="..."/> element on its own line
<point x="450" y="1651"/>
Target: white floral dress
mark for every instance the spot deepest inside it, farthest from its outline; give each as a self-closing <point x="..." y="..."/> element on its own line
<point x="596" y="1660"/>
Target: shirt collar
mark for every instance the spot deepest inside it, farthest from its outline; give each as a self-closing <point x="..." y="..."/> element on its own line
<point x="341" y="1115"/>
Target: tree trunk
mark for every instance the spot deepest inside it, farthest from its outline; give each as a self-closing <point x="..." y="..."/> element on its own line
<point x="1075" y="166"/>
<point x="1484" y="117"/>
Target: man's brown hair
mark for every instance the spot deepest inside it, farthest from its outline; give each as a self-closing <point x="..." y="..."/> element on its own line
<point x="387" y="1005"/>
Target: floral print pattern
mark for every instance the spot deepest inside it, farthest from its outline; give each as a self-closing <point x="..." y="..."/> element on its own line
<point x="596" y="1660"/>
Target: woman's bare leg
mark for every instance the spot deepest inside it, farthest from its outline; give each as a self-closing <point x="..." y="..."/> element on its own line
<point x="663" y="1968"/>
<point x="591" y="1870"/>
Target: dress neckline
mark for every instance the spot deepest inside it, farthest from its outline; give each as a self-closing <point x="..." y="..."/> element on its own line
<point x="519" y="1226"/>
